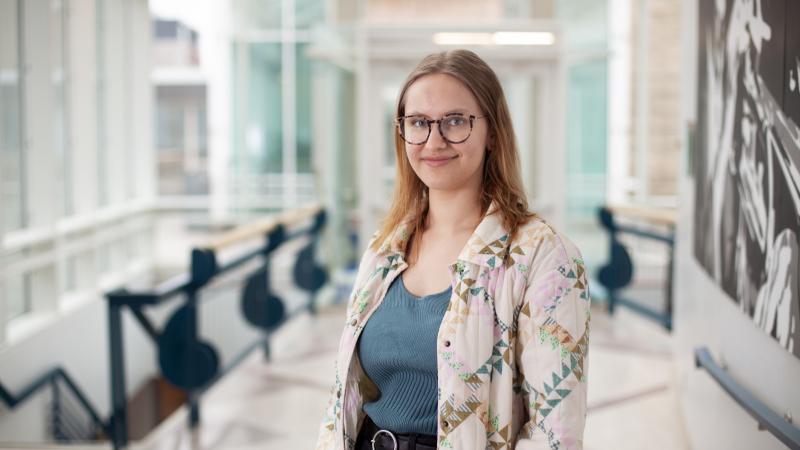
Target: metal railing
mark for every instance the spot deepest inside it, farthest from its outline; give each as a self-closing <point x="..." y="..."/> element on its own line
<point x="617" y="273"/>
<point x="63" y="430"/>
<point x="185" y="360"/>
<point x="780" y="427"/>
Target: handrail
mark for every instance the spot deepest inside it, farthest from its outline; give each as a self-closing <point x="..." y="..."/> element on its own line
<point x="204" y="268"/>
<point x="179" y="283"/>
<point x="662" y="216"/>
<point x="49" y="377"/>
<point x="766" y="417"/>
<point x="261" y="228"/>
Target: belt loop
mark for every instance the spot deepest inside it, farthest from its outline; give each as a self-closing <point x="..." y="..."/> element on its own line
<point x="412" y="443"/>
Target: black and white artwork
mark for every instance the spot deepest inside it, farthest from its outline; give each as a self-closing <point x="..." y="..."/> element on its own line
<point x="747" y="159"/>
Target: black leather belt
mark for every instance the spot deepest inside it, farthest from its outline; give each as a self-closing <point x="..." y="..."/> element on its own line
<point x="372" y="437"/>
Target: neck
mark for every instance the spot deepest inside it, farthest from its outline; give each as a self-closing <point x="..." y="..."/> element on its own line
<point x="453" y="211"/>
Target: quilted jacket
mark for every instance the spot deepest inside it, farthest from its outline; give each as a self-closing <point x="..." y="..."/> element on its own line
<point x="511" y="349"/>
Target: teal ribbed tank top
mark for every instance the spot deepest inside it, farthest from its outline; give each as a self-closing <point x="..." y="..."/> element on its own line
<point x="397" y="350"/>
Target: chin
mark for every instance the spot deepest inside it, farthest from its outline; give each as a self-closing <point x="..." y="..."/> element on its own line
<point x="443" y="185"/>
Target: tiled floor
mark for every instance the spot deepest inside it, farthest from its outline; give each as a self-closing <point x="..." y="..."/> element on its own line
<point x="278" y="405"/>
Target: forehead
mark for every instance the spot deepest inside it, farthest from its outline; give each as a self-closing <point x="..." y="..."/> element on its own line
<point x="438" y="94"/>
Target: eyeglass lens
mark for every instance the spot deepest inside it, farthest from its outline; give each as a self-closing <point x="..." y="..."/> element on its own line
<point x="417" y="129"/>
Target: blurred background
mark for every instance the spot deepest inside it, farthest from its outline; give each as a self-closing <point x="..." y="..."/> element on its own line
<point x="186" y="188"/>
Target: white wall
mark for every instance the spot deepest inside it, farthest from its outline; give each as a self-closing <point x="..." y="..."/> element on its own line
<point x="705" y="316"/>
<point x="102" y="244"/>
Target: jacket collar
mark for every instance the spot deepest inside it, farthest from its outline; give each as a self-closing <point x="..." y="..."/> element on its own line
<point x="487" y="246"/>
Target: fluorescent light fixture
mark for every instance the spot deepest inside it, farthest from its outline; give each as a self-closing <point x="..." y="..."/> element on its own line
<point x="463" y="39"/>
<point x="497" y="38"/>
<point x="523" y="38"/>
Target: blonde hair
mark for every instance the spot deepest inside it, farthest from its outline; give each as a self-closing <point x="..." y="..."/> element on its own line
<point x="501" y="181"/>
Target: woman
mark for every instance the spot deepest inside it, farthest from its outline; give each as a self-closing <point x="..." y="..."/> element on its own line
<point x="468" y="323"/>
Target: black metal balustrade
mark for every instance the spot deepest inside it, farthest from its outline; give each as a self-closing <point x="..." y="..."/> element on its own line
<point x="186" y="360"/>
<point x="617" y="273"/>
<point x="63" y="427"/>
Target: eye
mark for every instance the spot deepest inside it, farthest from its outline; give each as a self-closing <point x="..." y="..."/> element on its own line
<point x="456" y="121"/>
<point x="416" y="122"/>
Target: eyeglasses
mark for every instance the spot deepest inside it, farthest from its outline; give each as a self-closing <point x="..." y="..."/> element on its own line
<point x="454" y="128"/>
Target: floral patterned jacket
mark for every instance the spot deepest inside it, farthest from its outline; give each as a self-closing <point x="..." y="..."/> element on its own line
<point x="511" y="350"/>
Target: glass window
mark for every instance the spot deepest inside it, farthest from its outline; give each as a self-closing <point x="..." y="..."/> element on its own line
<point x="16" y="286"/>
<point x="308" y="12"/>
<point x="303" y="109"/>
<point x="202" y="130"/>
<point x="586" y="139"/>
<point x="257" y="14"/>
<point x="259" y="123"/>
<point x="10" y="144"/>
<point x="169" y="124"/>
<point x="57" y="47"/>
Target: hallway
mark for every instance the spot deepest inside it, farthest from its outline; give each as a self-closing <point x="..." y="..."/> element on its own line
<point x="632" y="395"/>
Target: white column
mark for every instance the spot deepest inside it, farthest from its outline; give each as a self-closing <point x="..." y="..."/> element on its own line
<point x="82" y="110"/>
<point x="142" y="145"/>
<point x="368" y="162"/>
<point x="521" y="102"/>
<point x="619" y="100"/>
<point x="642" y="100"/>
<point x="113" y="172"/>
<point x="559" y="168"/>
<point x="217" y="66"/>
<point x="289" y="107"/>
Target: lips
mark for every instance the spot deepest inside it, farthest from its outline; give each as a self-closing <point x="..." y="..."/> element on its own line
<point x="436" y="161"/>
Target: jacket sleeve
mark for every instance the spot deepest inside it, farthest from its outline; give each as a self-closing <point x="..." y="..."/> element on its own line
<point x="330" y="432"/>
<point x="552" y="344"/>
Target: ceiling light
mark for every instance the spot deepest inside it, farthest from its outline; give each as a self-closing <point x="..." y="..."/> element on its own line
<point x="523" y="38"/>
<point x="463" y="38"/>
<point x="497" y="38"/>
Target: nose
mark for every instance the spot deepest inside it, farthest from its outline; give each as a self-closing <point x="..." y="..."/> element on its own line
<point x="436" y="140"/>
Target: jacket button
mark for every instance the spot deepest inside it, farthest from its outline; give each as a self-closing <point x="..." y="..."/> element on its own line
<point x="353" y="322"/>
<point x="447" y="343"/>
<point x="338" y="393"/>
<point x="445" y="425"/>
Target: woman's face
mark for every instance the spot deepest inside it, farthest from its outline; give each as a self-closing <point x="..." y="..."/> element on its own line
<point x="442" y="165"/>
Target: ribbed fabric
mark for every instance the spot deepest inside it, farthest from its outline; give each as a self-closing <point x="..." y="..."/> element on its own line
<point x="398" y="352"/>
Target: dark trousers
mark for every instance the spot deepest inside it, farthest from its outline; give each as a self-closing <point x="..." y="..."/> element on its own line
<point x="405" y="441"/>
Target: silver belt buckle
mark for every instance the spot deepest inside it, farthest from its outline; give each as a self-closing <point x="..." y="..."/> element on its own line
<point x="391" y="435"/>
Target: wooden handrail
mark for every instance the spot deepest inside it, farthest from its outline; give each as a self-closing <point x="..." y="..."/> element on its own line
<point x="261" y="227"/>
<point x="659" y="216"/>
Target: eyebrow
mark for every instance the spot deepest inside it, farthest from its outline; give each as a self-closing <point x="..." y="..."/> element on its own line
<point x="452" y="111"/>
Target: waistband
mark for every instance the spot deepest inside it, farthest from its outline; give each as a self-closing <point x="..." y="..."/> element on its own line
<point x="383" y="439"/>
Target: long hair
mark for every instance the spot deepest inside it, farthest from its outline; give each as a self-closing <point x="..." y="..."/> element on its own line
<point x="501" y="183"/>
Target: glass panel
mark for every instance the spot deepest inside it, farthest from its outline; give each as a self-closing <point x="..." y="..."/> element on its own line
<point x="257" y="14"/>
<point x="100" y="69"/>
<point x="169" y="124"/>
<point x="57" y="71"/>
<point x="10" y="149"/>
<point x="308" y="13"/>
<point x="169" y="136"/>
<point x="586" y="139"/>
<point x="202" y="130"/>
<point x="181" y="140"/>
<point x="303" y="109"/>
<point x="16" y="290"/>
<point x="261" y="130"/>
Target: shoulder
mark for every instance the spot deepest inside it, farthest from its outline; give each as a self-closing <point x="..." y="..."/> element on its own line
<point x="541" y="247"/>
